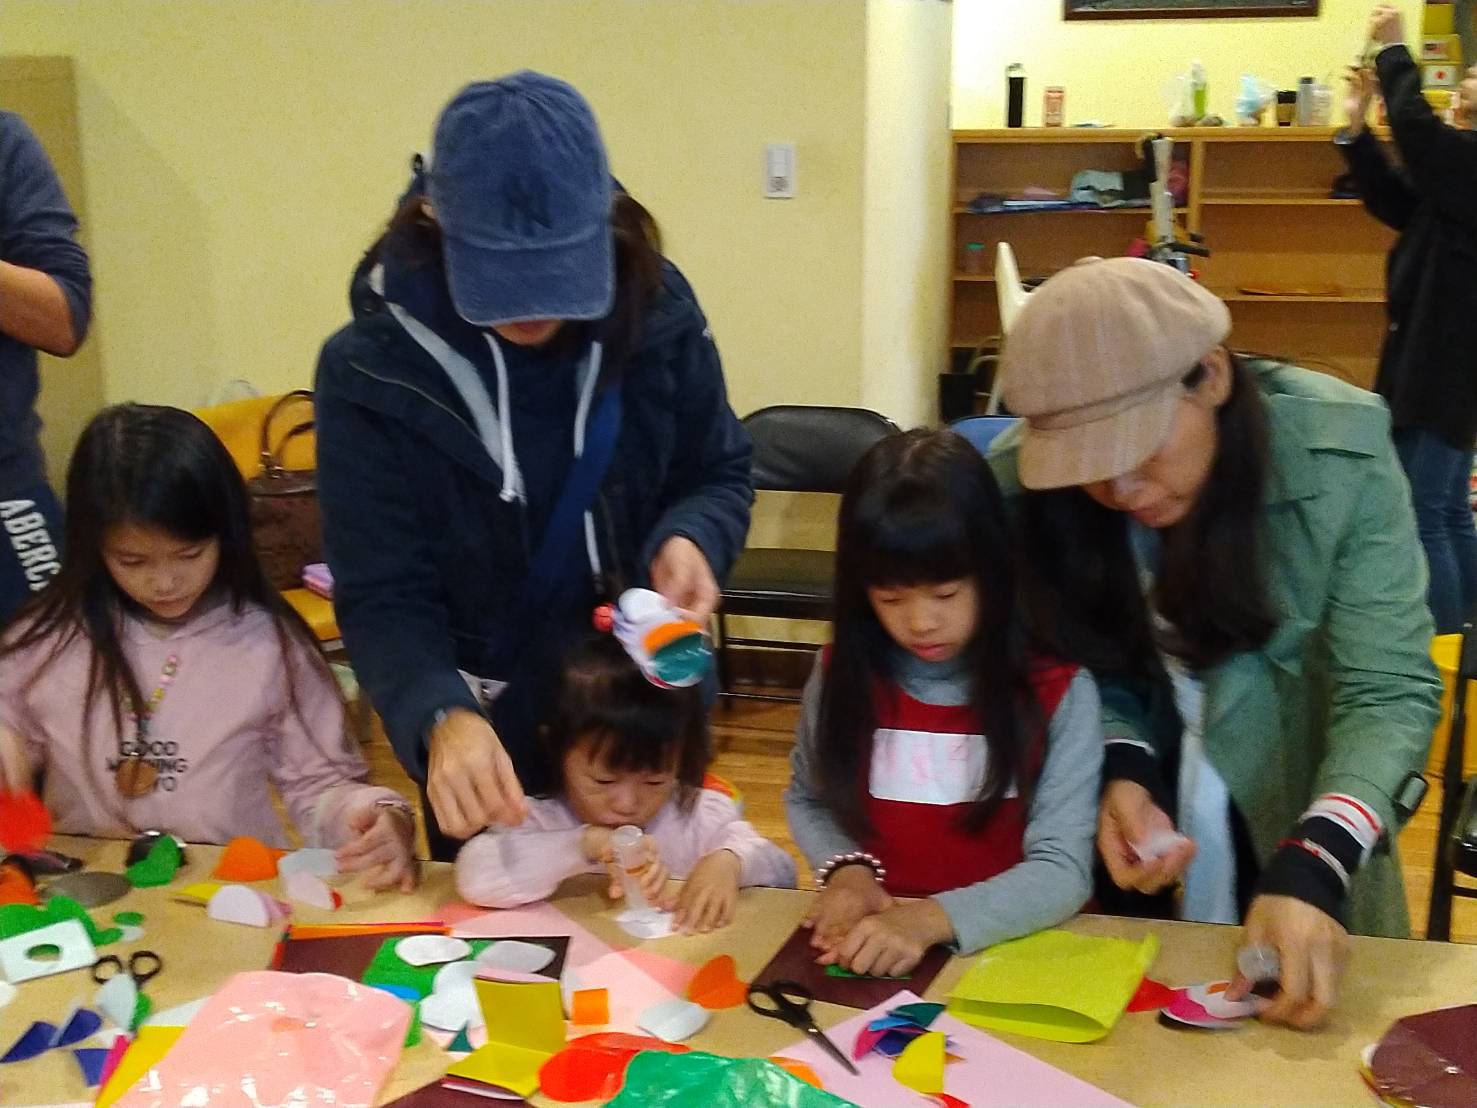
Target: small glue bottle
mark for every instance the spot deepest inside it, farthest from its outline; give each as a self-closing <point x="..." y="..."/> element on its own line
<point x="629" y="845"/>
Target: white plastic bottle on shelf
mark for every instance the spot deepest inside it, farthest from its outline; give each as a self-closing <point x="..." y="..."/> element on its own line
<point x="1199" y="90"/>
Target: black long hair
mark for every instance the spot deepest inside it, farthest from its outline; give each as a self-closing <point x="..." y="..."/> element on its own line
<point x="634" y="725"/>
<point x="155" y="467"/>
<point x="414" y="238"/>
<point x="922" y="508"/>
<point x="1082" y="585"/>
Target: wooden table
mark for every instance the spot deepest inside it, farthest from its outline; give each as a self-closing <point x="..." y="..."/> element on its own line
<point x="1139" y="1060"/>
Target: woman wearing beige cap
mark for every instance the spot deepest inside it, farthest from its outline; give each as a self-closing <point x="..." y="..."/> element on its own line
<point x="1229" y="544"/>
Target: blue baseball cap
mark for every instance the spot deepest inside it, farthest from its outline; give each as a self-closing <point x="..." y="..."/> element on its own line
<point x="521" y="188"/>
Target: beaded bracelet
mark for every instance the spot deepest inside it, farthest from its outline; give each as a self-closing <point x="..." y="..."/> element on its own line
<point x="855" y="857"/>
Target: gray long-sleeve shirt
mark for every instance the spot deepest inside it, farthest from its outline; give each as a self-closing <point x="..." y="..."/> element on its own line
<point x="1054" y="879"/>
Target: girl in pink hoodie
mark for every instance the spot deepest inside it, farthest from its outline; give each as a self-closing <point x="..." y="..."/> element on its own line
<point x="629" y="753"/>
<point x="159" y="682"/>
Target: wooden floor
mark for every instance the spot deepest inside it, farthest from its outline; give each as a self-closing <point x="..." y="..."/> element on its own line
<point x="753" y="741"/>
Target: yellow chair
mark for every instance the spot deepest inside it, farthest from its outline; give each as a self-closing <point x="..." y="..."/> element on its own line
<point x="239" y="426"/>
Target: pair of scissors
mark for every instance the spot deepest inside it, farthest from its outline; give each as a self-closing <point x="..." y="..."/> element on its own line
<point x="790" y="1001"/>
<point x="142" y="966"/>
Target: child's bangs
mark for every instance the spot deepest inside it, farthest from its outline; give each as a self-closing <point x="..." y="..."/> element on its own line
<point x="637" y="738"/>
<point x="913" y="538"/>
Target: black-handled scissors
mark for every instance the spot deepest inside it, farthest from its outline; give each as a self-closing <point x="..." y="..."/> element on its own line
<point x="790" y="1001"/>
<point x="142" y="966"/>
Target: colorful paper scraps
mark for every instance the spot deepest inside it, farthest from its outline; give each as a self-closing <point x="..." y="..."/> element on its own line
<point x="311" y="890"/>
<point x="247" y="859"/>
<point x="146" y="1050"/>
<point x="28" y="956"/>
<point x="16" y="885"/>
<point x="158" y="867"/>
<point x="514" y="954"/>
<point x="1430" y="1058"/>
<point x="988" y="1071"/>
<point x="921" y="1064"/>
<point x="17" y="919"/>
<point x="317" y="861"/>
<point x="239" y="904"/>
<point x="593" y="1066"/>
<point x="716" y="985"/>
<point x="525" y="1028"/>
<point x="25" y="824"/>
<point x="590" y="1007"/>
<point x="1053" y="985"/>
<point x="310" y="931"/>
<point x="91" y="1060"/>
<point x="114" y="1059"/>
<point x="1151" y="996"/>
<point x="1205" y="1007"/>
<point x="673" y="1020"/>
<point x="655" y="1080"/>
<point x="429" y="950"/>
<point x="890" y="1035"/>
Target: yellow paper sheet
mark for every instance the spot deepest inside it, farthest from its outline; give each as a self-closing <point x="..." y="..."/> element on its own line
<point x="525" y="1028"/>
<point x="198" y="893"/>
<point x="1053" y="985"/>
<point x="921" y="1064"/>
<point x="147" y="1050"/>
<point x="524" y="1014"/>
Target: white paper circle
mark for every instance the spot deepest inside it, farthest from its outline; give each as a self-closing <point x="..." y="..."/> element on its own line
<point x="427" y="950"/>
<point x="452" y="1009"/>
<point x="673" y="1020"/>
<point x="514" y="955"/>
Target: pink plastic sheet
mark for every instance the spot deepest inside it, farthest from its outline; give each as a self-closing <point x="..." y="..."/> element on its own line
<point x="268" y="1039"/>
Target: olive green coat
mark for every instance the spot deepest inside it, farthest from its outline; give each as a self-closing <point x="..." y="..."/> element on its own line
<point x="1344" y="696"/>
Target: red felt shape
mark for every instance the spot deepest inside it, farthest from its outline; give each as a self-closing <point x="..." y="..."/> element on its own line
<point x="1152" y="996"/>
<point x="25" y="824"/>
<point x="717" y="986"/>
<point x="593" y="1067"/>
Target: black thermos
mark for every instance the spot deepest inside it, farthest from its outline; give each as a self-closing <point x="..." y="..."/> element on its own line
<point x="1015" y="96"/>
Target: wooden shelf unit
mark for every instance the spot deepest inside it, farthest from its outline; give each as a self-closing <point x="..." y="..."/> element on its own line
<point x="1259" y="195"/>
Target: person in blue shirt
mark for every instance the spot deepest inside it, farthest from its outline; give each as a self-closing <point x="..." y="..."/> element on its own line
<point x="45" y="304"/>
<point x="527" y="413"/>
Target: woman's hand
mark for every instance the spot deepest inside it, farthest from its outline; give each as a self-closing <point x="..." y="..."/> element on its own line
<point x="710" y="894"/>
<point x="1386" y="25"/>
<point x="681" y="573"/>
<point x="16" y="772"/>
<point x="382" y="848"/>
<point x="1358" y="95"/>
<point x="892" y="942"/>
<point x="471" y="783"/>
<point x="850" y="895"/>
<point x="1312" y="948"/>
<point x="1129" y="816"/>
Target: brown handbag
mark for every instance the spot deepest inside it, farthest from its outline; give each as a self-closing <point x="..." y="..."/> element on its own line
<point x="285" y="524"/>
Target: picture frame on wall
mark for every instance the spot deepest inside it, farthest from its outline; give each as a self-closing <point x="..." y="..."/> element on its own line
<point x="1186" y="9"/>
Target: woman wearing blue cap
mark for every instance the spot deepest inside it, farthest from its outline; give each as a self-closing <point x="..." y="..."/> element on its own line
<point x="528" y="408"/>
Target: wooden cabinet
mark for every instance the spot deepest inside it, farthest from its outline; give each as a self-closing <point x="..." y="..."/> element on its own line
<point x="1260" y="196"/>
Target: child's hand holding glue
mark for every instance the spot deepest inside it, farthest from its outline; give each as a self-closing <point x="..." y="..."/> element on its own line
<point x="633" y="860"/>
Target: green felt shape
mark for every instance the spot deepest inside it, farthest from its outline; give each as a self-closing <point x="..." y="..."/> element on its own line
<point x="838" y="971"/>
<point x="462" y="1044"/>
<point x="655" y="1079"/>
<point x="388" y="968"/>
<point x="159" y="868"/>
<point x="128" y="919"/>
<point x="143" y="1007"/>
<point x="17" y="919"/>
<point x="413" y="1032"/>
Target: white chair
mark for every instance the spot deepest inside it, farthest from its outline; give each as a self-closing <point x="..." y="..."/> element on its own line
<point x="1011" y="295"/>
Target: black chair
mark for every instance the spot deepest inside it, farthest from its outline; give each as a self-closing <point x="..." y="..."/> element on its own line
<point x="1456" y="836"/>
<point x="797" y="448"/>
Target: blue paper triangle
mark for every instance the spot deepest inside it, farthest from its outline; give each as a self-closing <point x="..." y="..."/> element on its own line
<point x="36" y="1040"/>
<point x="91" y="1059"/>
<point x="83" y="1025"/>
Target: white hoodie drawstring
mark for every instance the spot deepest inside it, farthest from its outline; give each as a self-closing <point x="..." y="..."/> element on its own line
<point x="512" y="482"/>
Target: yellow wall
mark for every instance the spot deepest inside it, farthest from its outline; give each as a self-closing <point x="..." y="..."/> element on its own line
<point x="1116" y="70"/>
<point x="240" y="156"/>
<point x="905" y="185"/>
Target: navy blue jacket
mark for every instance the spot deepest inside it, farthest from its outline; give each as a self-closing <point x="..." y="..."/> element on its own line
<point x="37" y="231"/>
<point x="428" y="561"/>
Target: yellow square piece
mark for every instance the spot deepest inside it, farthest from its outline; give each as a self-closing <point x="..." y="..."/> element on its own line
<point x="198" y="893"/>
<point x="524" y="1014"/>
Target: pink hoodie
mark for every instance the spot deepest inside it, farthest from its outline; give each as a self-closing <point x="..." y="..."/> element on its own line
<point x="502" y="868"/>
<point x="223" y="733"/>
